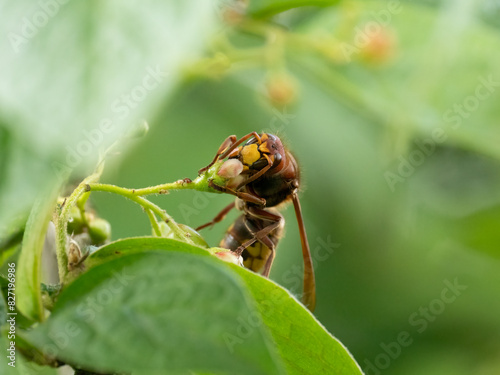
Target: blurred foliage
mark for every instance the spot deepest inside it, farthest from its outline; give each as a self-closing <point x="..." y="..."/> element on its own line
<point x="205" y="308"/>
<point x="418" y="99"/>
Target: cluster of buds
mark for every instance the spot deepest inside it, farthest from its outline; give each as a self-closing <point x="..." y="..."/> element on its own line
<point x="79" y="222"/>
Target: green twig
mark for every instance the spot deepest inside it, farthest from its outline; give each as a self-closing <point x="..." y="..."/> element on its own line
<point x="61" y="219"/>
<point x="82" y="192"/>
<point x="80" y="203"/>
<point x="154" y="223"/>
<point x="61" y="224"/>
<point x="147" y="205"/>
<point x="201" y="183"/>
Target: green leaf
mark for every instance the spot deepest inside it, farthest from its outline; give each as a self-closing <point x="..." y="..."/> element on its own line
<point x="305" y="345"/>
<point x="28" y="267"/>
<point x="156" y="312"/>
<point x="268" y="8"/>
<point x="11" y="238"/>
<point x="3" y="304"/>
<point x="21" y="321"/>
<point x="22" y="366"/>
<point x="8" y="254"/>
<point x="255" y="308"/>
<point x="479" y="230"/>
<point x="78" y="74"/>
<point x="136" y="245"/>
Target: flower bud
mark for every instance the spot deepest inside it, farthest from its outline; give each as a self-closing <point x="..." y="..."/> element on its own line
<point x="379" y="48"/>
<point x="231" y="168"/>
<point x="99" y="231"/>
<point x="281" y="89"/>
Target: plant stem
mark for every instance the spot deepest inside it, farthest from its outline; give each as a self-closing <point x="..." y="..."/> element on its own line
<point x="146" y="204"/>
<point x="61" y="224"/>
<point x="154" y="223"/>
<point x="80" y="203"/>
<point x="201" y="183"/>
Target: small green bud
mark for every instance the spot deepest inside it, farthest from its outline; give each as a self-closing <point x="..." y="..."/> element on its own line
<point x="194" y="236"/>
<point x="99" y="231"/>
<point x="213" y="174"/>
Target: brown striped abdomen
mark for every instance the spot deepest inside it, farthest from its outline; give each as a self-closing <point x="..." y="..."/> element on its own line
<point x="254" y="256"/>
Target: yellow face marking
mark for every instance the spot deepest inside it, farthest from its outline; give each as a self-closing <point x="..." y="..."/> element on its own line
<point x="263" y="147"/>
<point x="250" y="154"/>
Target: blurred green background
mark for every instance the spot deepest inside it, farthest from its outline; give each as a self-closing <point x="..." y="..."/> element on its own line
<point x="398" y="141"/>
